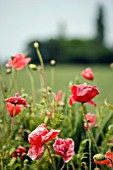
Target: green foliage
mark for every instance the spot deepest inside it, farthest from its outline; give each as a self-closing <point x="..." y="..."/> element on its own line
<point x="68" y="119"/>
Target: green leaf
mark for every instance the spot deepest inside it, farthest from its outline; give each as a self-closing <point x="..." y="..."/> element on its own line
<point x="108" y="105"/>
<point x="11" y="163"/>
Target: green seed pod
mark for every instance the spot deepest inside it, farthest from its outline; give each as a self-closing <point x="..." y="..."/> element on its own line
<point x="99" y="157"/>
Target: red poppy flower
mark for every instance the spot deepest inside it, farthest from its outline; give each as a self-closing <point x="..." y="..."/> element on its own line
<point x="19" y="61"/>
<point x="39" y="137"/>
<point x="91" y="119"/>
<point x="59" y="96"/>
<point x="64" y="148"/>
<point x="107" y="161"/>
<point x="17" y="100"/>
<point x="83" y="93"/>
<point x="109" y="155"/>
<point x="103" y="162"/>
<point x="88" y="74"/>
<point x="13" y="109"/>
<point x="19" y="152"/>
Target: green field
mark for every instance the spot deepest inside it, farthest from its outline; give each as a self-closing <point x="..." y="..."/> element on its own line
<point x="63" y="74"/>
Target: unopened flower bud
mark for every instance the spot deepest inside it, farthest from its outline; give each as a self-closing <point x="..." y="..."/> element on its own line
<point x="33" y="66"/>
<point x="49" y="89"/>
<point x="42" y="102"/>
<point x="111" y="65"/>
<point x="99" y="157"/>
<point x="52" y="62"/>
<point x="97" y="168"/>
<point x="8" y="71"/>
<point x="36" y="45"/>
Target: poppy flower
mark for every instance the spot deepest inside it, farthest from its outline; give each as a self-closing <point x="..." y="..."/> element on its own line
<point x="83" y="93"/>
<point x="59" y="96"/>
<point x="19" y="61"/>
<point x="107" y="161"/>
<point x="13" y="109"/>
<point x="91" y="119"/>
<point x="17" y="100"/>
<point x="64" y="148"/>
<point x="19" y="152"/>
<point x="37" y="138"/>
<point x="88" y="74"/>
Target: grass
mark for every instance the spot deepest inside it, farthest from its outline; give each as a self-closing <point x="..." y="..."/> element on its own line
<point x="63" y="74"/>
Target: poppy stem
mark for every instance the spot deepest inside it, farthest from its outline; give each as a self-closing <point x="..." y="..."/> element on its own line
<point x="62" y="167"/>
<point x="91" y="138"/>
<point x="50" y="156"/>
<point x="89" y="130"/>
<point x="32" y="84"/>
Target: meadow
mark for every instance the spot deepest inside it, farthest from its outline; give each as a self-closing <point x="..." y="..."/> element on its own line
<point x="59" y="77"/>
<point x="45" y="98"/>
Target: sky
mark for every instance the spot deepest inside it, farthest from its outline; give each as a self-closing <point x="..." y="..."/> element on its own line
<point x="22" y="21"/>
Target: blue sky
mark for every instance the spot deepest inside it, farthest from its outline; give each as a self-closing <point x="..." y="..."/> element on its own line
<point x="25" y="20"/>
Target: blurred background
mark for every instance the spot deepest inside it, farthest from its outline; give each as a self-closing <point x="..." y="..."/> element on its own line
<point x="68" y="31"/>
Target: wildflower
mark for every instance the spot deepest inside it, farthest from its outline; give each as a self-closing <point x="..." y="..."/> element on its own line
<point x="83" y="93"/>
<point x="19" y="152"/>
<point x="13" y="109"/>
<point x="17" y="100"/>
<point x="91" y="118"/>
<point x="88" y="74"/>
<point x="19" y="61"/>
<point x="108" y="160"/>
<point x="59" y="98"/>
<point x="14" y="104"/>
<point x="38" y="138"/>
<point x="64" y="148"/>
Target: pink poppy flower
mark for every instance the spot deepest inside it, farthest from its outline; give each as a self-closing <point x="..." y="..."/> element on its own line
<point x="91" y="119"/>
<point x="13" y="109"/>
<point x="88" y="74"/>
<point x="17" y="100"/>
<point x="18" y="62"/>
<point x="83" y="93"/>
<point x="64" y="148"/>
<point x="37" y="138"/>
<point x="19" y="152"/>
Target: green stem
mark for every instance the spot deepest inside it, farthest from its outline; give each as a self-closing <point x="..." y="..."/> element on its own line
<point x="32" y="84"/>
<point x="13" y="80"/>
<point x="90" y="160"/>
<point x="52" y="77"/>
<point x="62" y="167"/>
<point x="40" y="58"/>
<point x="50" y="156"/>
<point x="89" y="130"/>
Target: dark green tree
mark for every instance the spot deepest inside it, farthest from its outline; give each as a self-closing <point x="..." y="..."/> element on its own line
<point x="100" y="25"/>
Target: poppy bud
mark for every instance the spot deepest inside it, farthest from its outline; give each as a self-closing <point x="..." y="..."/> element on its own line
<point x="99" y="157"/>
<point x="52" y="62"/>
<point x="36" y="45"/>
<point x="33" y="66"/>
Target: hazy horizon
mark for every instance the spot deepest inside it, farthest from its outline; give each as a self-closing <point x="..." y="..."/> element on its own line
<point x="26" y="20"/>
